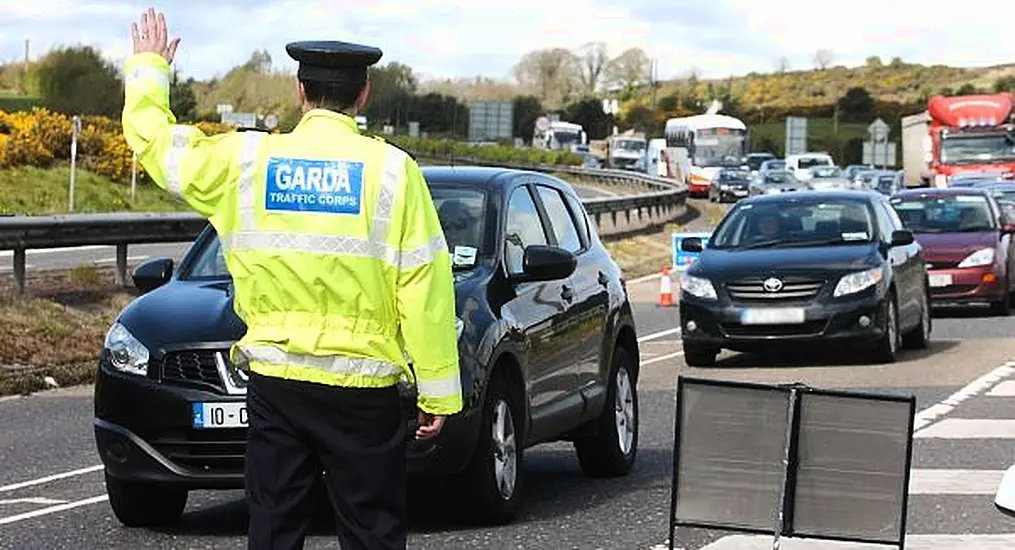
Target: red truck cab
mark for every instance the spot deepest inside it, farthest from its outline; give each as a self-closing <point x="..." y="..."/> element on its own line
<point x="970" y="135"/>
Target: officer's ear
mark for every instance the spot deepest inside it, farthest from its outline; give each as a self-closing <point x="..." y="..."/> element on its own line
<point x="301" y="94"/>
<point x="363" y="98"/>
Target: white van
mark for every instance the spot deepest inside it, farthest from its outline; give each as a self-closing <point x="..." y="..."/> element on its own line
<point x="801" y="164"/>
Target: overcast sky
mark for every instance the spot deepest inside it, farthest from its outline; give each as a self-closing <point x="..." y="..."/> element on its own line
<point x="447" y="38"/>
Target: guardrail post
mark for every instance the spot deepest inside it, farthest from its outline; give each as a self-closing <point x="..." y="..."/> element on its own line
<point x="19" y="271"/>
<point x="121" y="264"/>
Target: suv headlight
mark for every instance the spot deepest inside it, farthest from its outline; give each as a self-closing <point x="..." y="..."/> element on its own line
<point x="984" y="256"/>
<point x="855" y="282"/>
<point x="459" y="326"/>
<point x="698" y="286"/>
<point x="126" y="353"/>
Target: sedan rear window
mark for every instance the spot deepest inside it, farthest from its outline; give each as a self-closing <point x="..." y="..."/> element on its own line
<point x="945" y="213"/>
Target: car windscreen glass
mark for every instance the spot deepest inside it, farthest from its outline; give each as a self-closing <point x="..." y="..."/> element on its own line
<point x="731" y="175"/>
<point x="810" y="222"/>
<point x="460" y="209"/>
<point x="945" y="213"/>
<point x="826" y="172"/>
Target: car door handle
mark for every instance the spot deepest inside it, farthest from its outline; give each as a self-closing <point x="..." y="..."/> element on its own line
<point x="566" y="293"/>
<point x="603" y="279"/>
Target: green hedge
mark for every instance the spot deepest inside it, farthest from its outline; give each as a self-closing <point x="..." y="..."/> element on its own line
<point x="443" y="149"/>
<point x="16" y="103"/>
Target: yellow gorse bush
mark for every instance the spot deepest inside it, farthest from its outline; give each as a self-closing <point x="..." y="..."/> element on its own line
<point x="41" y="137"/>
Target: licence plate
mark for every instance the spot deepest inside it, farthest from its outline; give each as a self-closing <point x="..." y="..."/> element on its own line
<point x="220" y="415"/>
<point x="772" y="316"/>
<point x="940" y="280"/>
<point x="740" y="192"/>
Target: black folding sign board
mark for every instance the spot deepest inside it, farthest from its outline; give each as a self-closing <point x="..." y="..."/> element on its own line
<point x="791" y="461"/>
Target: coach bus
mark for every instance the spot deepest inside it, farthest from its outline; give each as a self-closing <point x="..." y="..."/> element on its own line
<point x="710" y="142"/>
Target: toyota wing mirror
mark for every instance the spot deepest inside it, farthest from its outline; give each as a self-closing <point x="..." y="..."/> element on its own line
<point x="152" y="274"/>
<point x="691" y="244"/>
<point x="902" y="237"/>
<point x="1005" y="498"/>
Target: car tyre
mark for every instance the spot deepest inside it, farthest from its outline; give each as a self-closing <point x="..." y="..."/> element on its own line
<point x="145" y="504"/>
<point x="492" y="482"/>
<point x="612" y="451"/>
<point x="1002" y="307"/>
<point x="699" y="356"/>
<point x="919" y="337"/>
<point x="887" y="349"/>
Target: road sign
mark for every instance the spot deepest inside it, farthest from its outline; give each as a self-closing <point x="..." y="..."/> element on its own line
<point x="796" y="135"/>
<point x="542" y="124"/>
<point x="878" y="130"/>
<point x="879" y="154"/>
<point x="683" y="260"/>
<point x="270" y="122"/>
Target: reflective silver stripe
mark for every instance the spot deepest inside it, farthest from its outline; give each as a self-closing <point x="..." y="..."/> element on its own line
<point x="410" y="259"/>
<point x="440" y="388"/>
<point x="174" y="157"/>
<point x="394" y="168"/>
<point x="141" y="73"/>
<point x="245" y="185"/>
<point x="335" y="364"/>
<point x="311" y="243"/>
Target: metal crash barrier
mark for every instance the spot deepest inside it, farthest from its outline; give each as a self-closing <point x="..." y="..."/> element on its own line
<point x="791" y="461"/>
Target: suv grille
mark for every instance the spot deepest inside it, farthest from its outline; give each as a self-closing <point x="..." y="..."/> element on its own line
<point x="753" y="290"/>
<point x="193" y="366"/>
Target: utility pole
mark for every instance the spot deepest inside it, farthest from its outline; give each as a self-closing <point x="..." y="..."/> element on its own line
<point x="24" y="72"/>
<point x="653" y="74"/>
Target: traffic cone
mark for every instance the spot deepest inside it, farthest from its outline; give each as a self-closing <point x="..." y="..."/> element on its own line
<point x="665" y="289"/>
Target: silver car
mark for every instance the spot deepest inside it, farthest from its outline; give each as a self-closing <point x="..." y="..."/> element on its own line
<point x="776" y="181"/>
<point x="829" y="178"/>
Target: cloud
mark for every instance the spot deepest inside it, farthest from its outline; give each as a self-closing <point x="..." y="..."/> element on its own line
<point x="450" y="38"/>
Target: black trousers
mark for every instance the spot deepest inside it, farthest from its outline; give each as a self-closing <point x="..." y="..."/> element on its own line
<point x="356" y="436"/>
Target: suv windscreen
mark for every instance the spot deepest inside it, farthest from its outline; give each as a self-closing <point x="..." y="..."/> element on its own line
<point x="460" y="209"/>
<point x="809" y="222"/>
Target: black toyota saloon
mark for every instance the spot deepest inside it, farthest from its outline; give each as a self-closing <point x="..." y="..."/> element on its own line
<point x="546" y="339"/>
<point x="808" y="267"/>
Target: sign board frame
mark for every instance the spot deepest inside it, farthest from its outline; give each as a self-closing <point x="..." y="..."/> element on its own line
<point x="682" y="260"/>
<point x="796" y="135"/>
<point x="782" y="510"/>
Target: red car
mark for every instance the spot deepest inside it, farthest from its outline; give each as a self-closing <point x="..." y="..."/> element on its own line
<point x="966" y="241"/>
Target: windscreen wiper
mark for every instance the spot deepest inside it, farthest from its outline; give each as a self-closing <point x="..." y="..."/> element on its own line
<point x="763" y="244"/>
<point x="824" y="242"/>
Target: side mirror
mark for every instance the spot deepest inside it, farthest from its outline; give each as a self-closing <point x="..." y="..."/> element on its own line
<point x="546" y="263"/>
<point x="1007" y="226"/>
<point x="152" y="274"/>
<point x="902" y="237"/>
<point x="1005" y="498"/>
<point x="691" y="244"/>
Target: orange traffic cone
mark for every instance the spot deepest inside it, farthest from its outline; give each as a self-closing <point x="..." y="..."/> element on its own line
<point x="665" y="289"/>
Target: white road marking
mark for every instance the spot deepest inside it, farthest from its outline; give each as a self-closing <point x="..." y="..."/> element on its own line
<point x="1004" y="389"/>
<point x="47" y="479"/>
<point x="657" y="335"/>
<point x="113" y="260"/>
<point x="53" y="509"/>
<point x="31" y="500"/>
<point x="662" y="358"/>
<point x="10" y="253"/>
<point x="927" y="416"/>
<point x="970" y="428"/>
<point x="954" y="482"/>
<point x="913" y="542"/>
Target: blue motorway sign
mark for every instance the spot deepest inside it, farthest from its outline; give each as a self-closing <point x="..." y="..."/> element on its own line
<point x="682" y="260"/>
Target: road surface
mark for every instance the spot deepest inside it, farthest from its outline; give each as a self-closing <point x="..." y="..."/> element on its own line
<point x="52" y="496"/>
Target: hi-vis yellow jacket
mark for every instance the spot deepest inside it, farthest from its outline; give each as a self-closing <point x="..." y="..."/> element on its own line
<point x="332" y="240"/>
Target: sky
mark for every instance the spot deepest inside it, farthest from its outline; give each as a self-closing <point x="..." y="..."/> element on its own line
<point x="449" y="39"/>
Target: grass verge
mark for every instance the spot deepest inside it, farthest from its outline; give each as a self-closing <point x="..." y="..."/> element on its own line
<point x="39" y="191"/>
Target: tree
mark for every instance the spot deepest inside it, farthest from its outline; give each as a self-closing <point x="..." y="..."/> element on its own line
<point x="822" y="59"/>
<point x="896" y="62"/>
<point x="782" y="64"/>
<point x="182" y="100"/>
<point x="856" y="105"/>
<point x="589" y="113"/>
<point x="1004" y="84"/>
<point x="630" y="69"/>
<point x="669" y="103"/>
<point x="874" y="61"/>
<point x="638" y="118"/>
<point x="527" y="109"/>
<point x="967" y="89"/>
<point x="592" y="62"/>
<point x="78" y="81"/>
<point x="549" y="73"/>
<point x="392" y="88"/>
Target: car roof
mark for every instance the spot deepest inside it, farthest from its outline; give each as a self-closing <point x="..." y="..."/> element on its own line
<point x="486" y="177"/>
<point x="868" y="195"/>
<point x="941" y="191"/>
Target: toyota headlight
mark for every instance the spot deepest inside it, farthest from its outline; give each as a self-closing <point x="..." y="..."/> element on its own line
<point x="698" y="286"/>
<point x="855" y="282"/>
<point x="772" y="191"/>
<point x="984" y="256"/>
<point x="459" y="327"/>
<point x="126" y="353"/>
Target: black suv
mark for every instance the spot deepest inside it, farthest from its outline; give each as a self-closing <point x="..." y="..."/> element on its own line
<point x="546" y="338"/>
<point x="811" y="266"/>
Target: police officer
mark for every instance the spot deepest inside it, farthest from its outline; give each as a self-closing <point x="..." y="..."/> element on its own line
<point x="340" y="270"/>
